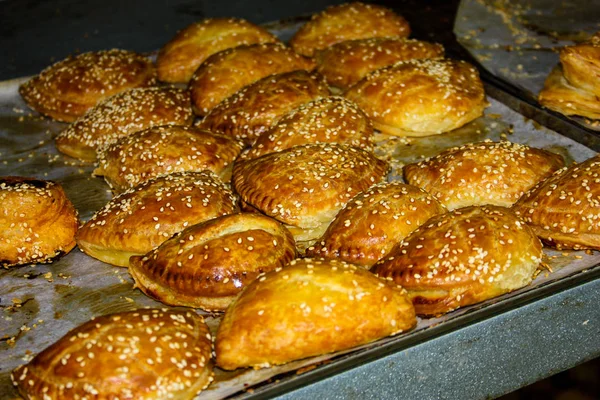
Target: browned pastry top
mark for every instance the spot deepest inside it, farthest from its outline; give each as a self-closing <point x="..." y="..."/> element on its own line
<point x="581" y="64"/>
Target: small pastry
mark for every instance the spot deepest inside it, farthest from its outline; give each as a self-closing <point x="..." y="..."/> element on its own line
<point x="581" y="65"/>
<point x="66" y="90"/>
<point x="208" y="264"/>
<point x="140" y="354"/>
<point x="138" y="220"/>
<point x="308" y="308"/>
<point x="463" y="257"/>
<point x="482" y="173"/>
<point x="122" y="115"/>
<point x="37" y="221"/>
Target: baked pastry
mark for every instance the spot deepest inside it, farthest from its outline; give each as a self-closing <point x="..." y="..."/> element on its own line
<point x="346" y="63"/>
<point x="138" y="220"/>
<point x="208" y="264"/>
<point x="325" y="120"/>
<point x="564" y="210"/>
<point x="66" y="90"/>
<point x="421" y="97"/>
<point x="305" y="186"/>
<point x="122" y="115"/>
<point x="182" y="55"/>
<point x="140" y="354"/>
<point x="463" y="257"/>
<point x="226" y="72"/>
<point x="308" y="308"/>
<point x="347" y="22"/>
<point x="581" y="65"/>
<point x="251" y="111"/>
<point x="482" y="173"/>
<point x="374" y="221"/>
<point x="147" y="154"/>
<point x="37" y="221"/>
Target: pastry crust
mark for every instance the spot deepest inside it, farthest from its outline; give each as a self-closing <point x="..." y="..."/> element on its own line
<point x="208" y="264"/>
<point x="308" y="308"/>
<point x="136" y="221"/>
<point x="421" y="97"/>
<point x="66" y="90"/>
<point x="124" y="355"/>
<point x="463" y="257"/>
<point x="37" y="221"/>
<point x="147" y="154"/>
<point x="122" y="115"/>
<point x="373" y="222"/>
<point x="482" y="173"/>
<point x="226" y="72"/>
<point x="347" y="22"/>
<point x="581" y="65"/>
<point x="250" y="112"/>
<point x="183" y="54"/>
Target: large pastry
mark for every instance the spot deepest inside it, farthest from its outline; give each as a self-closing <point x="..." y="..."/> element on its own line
<point x="581" y="65"/>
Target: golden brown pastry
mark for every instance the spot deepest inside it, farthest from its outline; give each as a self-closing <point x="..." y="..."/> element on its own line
<point x="37" y="221"/>
<point x="208" y="264"/>
<point x="66" y="90"/>
<point x="373" y="222"/>
<point x="305" y="186"/>
<point x="182" y="55"/>
<point x="143" y="217"/>
<point x="226" y="72"/>
<point x="308" y="308"/>
<point x="347" y="22"/>
<point x="482" y="173"/>
<point x="581" y="65"/>
<point x="346" y="63"/>
<point x="250" y="112"/>
<point x="140" y="354"/>
<point x="564" y="210"/>
<point x="463" y="257"/>
<point x="122" y="115"/>
<point x="147" y="154"/>
<point x="421" y="97"/>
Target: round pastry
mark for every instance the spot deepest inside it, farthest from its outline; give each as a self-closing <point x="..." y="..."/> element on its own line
<point x="122" y="115"/>
<point x="147" y="154"/>
<point x="182" y="55"/>
<point x="37" y="221"/>
<point x="308" y="308"/>
<point x="138" y="220"/>
<point x="208" y="264"/>
<point x="251" y="111"/>
<point x="373" y="222"/>
<point x="482" y="173"/>
<point x="66" y="90"/>
<point x="581" y="65"/>
<point x="421" y="97"/>
<point x="346" y="63"/>
<point x="463" y="257"/>
<point x="347" y="22"/>
<point x="140" y="354"/>
<point x="226" y="72"/>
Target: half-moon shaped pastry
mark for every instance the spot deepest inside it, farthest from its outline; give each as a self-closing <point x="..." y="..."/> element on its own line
<point x="37" y="221"/>
<point x="208" y="264"/>
<point x="226" y="72"/>
<point x="373" y="222"/>
<point x="122" y="115"/>
<point x="564" y="210"/>
<point x="140" y="354"/>
<point x="138" y="220"/>
<point x="495" y="173"/>
<point x="308" y="308"/>
<point x="66" y="90"/>
<point x="147" y="154"/>
<point x="421" y="97"/>
<point x="581" y="65"/>
<point x="346" y="63"/>
<point x="463" y="257"/>
<point x="347" y="22"/>
<point x="251" y="111"/>
<point x="182" y="55"/>
<point x="305" y="186"/>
